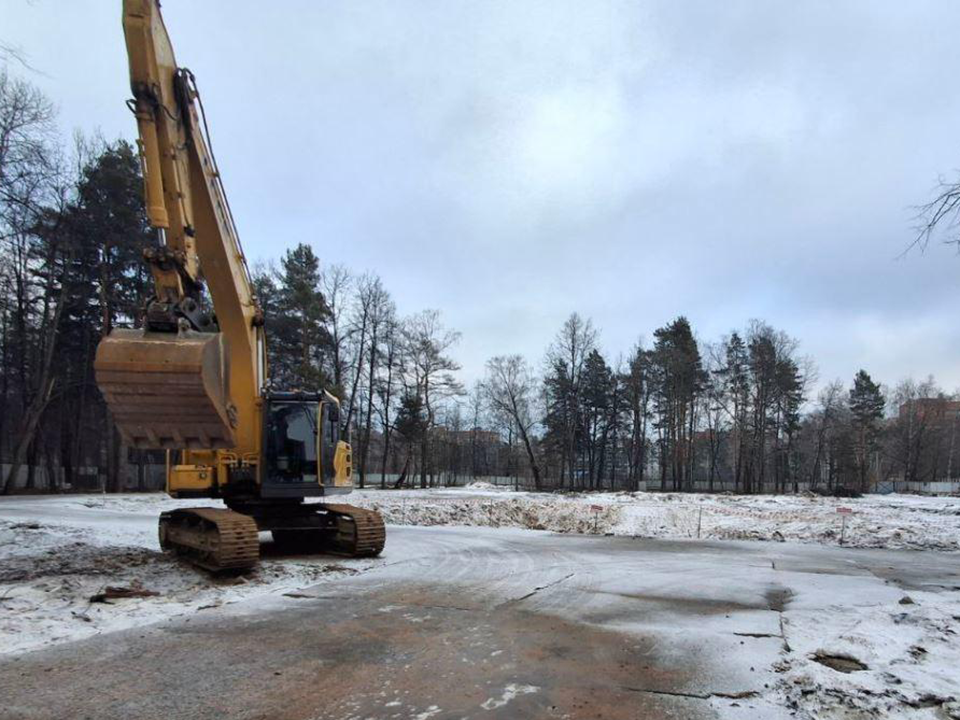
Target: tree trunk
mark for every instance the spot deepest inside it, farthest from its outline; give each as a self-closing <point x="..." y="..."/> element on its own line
<point x="39" y="401"/>
<point x="534" y="467"/>
<point x="365" y="450"/>
<point x="423" y="460"/>
<point x="29" y="429"/>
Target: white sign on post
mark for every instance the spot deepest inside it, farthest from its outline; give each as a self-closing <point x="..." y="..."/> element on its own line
<point x="843" y="511"/>
<point x="596" y="510"/>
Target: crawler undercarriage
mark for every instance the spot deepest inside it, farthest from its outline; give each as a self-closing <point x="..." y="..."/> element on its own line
<point x="218" y="539"/>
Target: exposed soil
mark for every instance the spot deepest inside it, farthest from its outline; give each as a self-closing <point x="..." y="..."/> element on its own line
<point x="840" y="663"/>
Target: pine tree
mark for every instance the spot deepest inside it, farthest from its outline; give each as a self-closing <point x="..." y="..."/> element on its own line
<point x="598" y="399"/>
<point x="113" y="220"/>
<point x="735" y="393"/>
<point x="636" y="384"/>
<point x="412" y="424"/>
<point x="789" y="397"/>
<point x="679" y="380"/>
<point x="299" y="330"/>
<point x="560" y="416"/>
<point x="267" y="293"/>
<point x="866" y="403"/>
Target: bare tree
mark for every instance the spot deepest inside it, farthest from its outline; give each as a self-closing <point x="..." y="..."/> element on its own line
<point x="368" y="288"/>
<point x="430" y="372"/>
<point x="32" y="194"/>
<point x="942" y="212"/>
<point x="336" y="282"/>
<point x="566" y="358"/>
<point x="41" y="394"/>
<point x="511" y="391"/>
<point x="713" y="409"/>
<point x="379" y="313"/>
<point x="30" y="162"/>
<point x="391" y="369"/>
<point x="915" y="435"/>
<point x="477" y="403"/>
<point x="826" y="419"/>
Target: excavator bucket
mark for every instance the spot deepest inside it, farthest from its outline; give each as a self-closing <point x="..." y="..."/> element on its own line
<point x="167" y="390"/>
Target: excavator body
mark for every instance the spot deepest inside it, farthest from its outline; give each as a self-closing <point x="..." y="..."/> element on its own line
<point x="194" y="381"/>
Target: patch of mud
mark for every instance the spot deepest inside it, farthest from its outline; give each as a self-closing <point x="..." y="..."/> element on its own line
<point x="78" y="558"/>
<point x="51" y="578"/>
<point x="778" y="598"/>
<point x="840" y="663"/>
<point x="367" y="663"/>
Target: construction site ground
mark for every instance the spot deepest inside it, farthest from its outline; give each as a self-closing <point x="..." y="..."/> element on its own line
<point x="470" y="622"/>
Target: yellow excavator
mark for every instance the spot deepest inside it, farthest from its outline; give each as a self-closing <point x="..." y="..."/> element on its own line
<point x="194" y="381"/>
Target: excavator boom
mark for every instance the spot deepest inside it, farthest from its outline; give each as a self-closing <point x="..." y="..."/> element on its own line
<point x="179" y="383"/>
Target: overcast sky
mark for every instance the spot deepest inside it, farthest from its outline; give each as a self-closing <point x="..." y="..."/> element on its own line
<point x="512" y="162"/>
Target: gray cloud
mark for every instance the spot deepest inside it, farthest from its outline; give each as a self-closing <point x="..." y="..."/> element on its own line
<point x="510" y="162"/>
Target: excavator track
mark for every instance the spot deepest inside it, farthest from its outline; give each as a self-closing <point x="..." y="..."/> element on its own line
<point x="360" y="532"/>
<point x="211" y="538"/>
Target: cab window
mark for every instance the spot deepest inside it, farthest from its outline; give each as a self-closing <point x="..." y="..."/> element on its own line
<point x="292" y="442"/>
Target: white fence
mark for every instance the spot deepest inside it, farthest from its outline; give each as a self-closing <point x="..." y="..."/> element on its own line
<point x="86" y="479"/>
<point x="943" y="487"/>
<point x="152" y="477"/>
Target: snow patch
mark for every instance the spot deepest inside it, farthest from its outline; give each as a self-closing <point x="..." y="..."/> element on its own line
<point x="53" y="565"/>
<point x="509" y="693"/>
<point x="882" y="660"/>
<point x="878" y="521"/>
<point x="428" y="713"/>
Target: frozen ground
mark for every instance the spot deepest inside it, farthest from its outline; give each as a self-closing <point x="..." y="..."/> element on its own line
<point x="740" y="629"/>
<point x="58" y="552"/>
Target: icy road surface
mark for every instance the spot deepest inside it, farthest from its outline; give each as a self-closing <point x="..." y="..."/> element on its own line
<point x="470" y="622"/>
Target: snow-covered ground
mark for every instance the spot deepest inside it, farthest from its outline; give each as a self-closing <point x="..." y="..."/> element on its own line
<point x="892" y="655"/>
<point x="58" y="552"/>
<point x="901" y="642"/>
<point x="877" y="521"/>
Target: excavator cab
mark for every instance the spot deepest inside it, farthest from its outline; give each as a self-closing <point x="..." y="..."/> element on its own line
<point x="303" y="453"/>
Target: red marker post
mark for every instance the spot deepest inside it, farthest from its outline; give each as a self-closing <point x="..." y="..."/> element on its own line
<point x="843" y="512"/>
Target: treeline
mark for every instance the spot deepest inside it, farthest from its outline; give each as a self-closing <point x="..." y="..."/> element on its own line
<point x="72" y="229"/>
<point x="680" y="414"/>
<point x="395" y="376"/>
<point x="676" y="413"/>
<point x="736" y="414"/>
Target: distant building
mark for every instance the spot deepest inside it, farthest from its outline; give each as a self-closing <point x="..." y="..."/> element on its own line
<point x="483" y="437"/>
<point x="935" y="409"/>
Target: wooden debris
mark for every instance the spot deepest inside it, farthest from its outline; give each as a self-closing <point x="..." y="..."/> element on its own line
<point x="112" y="592"/>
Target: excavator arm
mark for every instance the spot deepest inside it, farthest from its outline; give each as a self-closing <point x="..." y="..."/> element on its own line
<point x="187" y="379"/>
